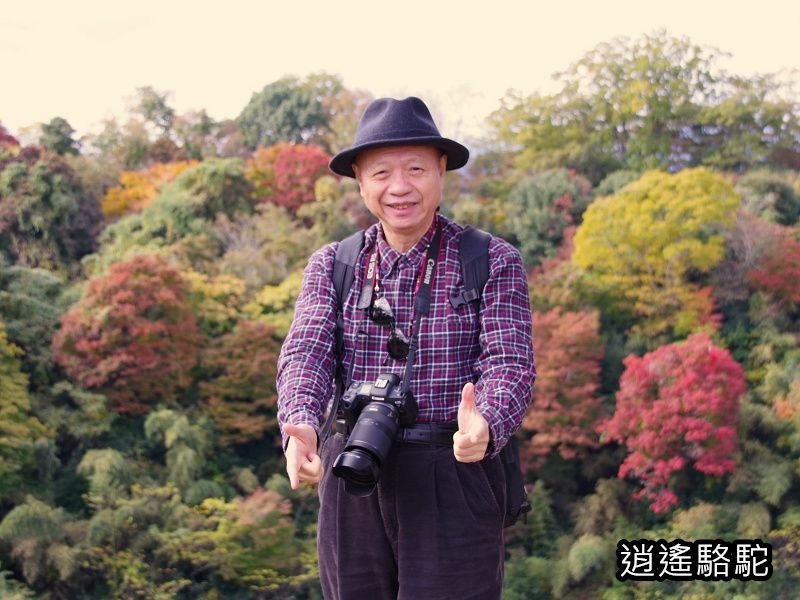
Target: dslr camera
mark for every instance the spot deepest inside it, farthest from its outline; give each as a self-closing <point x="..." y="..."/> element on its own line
<point x="373" y="412"/>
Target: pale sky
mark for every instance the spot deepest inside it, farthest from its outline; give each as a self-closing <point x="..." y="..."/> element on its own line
<point x="83" y="59"/>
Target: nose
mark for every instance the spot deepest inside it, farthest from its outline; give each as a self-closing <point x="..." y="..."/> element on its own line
<point x="399" y="184"/>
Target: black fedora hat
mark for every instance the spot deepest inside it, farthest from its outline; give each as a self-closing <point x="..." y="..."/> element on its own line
<point x="390" y="122"/>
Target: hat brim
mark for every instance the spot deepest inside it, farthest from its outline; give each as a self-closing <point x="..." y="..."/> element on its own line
<point x="457" y="155"/>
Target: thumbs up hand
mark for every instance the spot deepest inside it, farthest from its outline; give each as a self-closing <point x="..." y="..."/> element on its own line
<point x="302" y="461"/>
<point x="472" y="438"/>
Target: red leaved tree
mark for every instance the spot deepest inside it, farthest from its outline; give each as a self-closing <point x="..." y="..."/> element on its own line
<point x="240" y="395"/>
<point x="6" y="139"/>
<point x="677" y="407"/>
<point x="565" y="405"/>
<point x="285" y="174"/>
<point x="777" y="272"/>
<point x="132" y="336"/>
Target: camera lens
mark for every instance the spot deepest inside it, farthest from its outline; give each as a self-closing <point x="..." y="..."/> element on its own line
<point x="367" y="448"/>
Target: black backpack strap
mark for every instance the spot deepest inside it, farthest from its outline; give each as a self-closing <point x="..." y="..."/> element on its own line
<point x="344" y="266"/>
<point x="473" y="249"/>
<point x="344" y="271"/>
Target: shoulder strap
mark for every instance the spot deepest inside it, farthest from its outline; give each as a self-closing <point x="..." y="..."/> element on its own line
<point x="344" y="270"/>
<point x="344" y="266"/>
<point x="473" y="249"/>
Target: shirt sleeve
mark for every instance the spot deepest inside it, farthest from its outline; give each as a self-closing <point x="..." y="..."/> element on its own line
<point x="306" y="362"/>
<point x="506" y="366"/>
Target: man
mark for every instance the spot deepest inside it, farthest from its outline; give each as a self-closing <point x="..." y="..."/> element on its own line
<point x="433" y="526"/>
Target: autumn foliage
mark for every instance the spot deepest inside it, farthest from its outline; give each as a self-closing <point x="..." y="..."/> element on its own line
<point x="132" y="336"/>
<point x="778" y="271"/>
<point x="240" y="395"/>
<point x="566" y="404"/>
<point x="647" y="246"/>
<point x="285" y="174"/>
<point x="137" y="189"/>
<point x="6" y="139"/>
<point x="677" y="407"/>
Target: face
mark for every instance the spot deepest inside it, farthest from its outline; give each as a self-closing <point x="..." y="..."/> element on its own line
<point x="402" y="186"/>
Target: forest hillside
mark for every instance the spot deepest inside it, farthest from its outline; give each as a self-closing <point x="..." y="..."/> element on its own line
<point x="147" y="279"/>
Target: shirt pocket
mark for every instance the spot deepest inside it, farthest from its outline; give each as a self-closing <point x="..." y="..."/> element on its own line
<point x="451" y="338"/>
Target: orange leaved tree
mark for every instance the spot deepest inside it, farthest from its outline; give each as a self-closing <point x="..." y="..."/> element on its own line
<point x="132" y="336"/>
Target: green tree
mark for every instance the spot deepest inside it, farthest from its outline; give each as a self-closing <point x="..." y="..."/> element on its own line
<point x="11" y="589"/>
<point x="342" y="108"/>
<point x="622" y="104"/>
<point x="121" y="146"/>
<point x="755" y="122"/>
<point x="46" y="219"/>
<point x="542" y="207"/>
<point x="657" y="101"/>
<point x="109" y="475"/>
<point x="31" y="304"/>
<point x="154" y="107"/>
<point x="57" y="137"/>
<point x="263" y="249"/>
<point x="43" y="543"/>
<point x="613" y="182"/>
<point x="285" y="110"/>
<point x="187" y="446"/>
<point x="770" y="196"/>
<point x="248" y="544"/>
<point x="19" y="429"/>
<point x="185" y="209"/>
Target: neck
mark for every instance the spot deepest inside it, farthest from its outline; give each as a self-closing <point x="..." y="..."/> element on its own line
<point x="403" y="242"/>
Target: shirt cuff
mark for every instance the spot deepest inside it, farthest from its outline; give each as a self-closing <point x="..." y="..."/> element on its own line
<point x="497" y="435"/>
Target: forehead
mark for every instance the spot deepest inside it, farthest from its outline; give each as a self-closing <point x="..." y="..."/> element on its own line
<point x="398" y="153"/>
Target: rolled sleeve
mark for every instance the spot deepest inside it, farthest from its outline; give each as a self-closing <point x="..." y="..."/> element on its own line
<point x="506" y="365"/>
<point x="306" y="362"/>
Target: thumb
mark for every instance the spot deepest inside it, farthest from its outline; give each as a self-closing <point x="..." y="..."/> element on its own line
<point x="466" y="408"/>
<point x="304" y="433"/>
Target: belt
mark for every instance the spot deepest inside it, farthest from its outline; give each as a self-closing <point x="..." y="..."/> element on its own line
<point x="427" y="434"/>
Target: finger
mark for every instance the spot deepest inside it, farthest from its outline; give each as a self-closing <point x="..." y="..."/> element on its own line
<point x="466" y="407"/>
<point x="311" y="470"/>
<point x="467" y="456"/>
<point x="293" y="463"/>
<point x="465" y="450"/>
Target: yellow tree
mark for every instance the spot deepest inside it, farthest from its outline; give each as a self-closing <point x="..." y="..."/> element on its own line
<point x="646" y="248"/>
<point x="137" y="189"/>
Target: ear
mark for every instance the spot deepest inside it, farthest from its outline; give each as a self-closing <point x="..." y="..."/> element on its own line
<point x="442" y="164"/>
<point x="357" y="172"/>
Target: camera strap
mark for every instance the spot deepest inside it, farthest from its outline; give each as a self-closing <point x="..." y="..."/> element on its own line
<point x="422" y="303"/>
<point x="343" y="275"/>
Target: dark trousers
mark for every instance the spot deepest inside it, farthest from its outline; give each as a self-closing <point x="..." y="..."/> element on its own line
<point x="432" y="530"/>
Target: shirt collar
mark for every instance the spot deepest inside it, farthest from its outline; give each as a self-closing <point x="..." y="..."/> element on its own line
<point x="389" y="256"/>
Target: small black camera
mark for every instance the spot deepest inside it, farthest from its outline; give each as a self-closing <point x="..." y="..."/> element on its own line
<point x="373" y="412"/>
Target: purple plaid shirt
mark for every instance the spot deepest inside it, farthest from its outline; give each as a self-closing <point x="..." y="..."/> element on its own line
<point x="456" y="345"/>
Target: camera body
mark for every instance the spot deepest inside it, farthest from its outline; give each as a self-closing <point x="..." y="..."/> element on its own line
<point x="373" y="412"/>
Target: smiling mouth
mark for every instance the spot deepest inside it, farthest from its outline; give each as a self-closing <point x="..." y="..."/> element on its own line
<point x="402" y="206"/>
